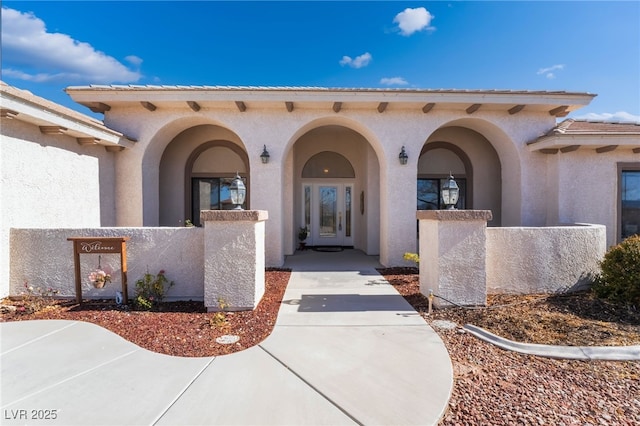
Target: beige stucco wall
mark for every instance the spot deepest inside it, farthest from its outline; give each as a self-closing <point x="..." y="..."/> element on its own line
<point x="584" y="186"/>
<point x="43" y="258"/>
<point x="543" y="259"/>
<point x="390" y="188"/>
<point x="50" y="181"/>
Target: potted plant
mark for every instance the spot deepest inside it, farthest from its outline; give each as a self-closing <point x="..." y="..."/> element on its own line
<point x="99" y="277"/>
<point x="303" y="233"/>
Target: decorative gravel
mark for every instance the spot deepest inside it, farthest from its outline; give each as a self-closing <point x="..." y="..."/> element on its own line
<point x="497" y="387"/>
<point x="178" y="328"/>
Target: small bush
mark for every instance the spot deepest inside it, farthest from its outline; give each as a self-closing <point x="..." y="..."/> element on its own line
<point x="150" y="290"/>
<point x="219" y="319"/>
<point x="35" y="299"/>
<point x="412" y="257"/>
<point x="619" y="280"/>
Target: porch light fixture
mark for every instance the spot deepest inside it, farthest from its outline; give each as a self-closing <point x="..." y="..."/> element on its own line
<point x="237" y="192"/>
<point x="403" y="157"/>
<point x="450" y="192"/>
<point x="265" y="155"/>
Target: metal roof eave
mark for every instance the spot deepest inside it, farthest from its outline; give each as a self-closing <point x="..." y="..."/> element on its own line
<point x="115" y="93"/>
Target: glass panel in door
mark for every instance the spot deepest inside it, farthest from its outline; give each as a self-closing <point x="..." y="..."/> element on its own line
<point x="328" y="211"/>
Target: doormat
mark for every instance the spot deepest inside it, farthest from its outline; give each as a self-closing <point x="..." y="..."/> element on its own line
<point x="328" y="249"/>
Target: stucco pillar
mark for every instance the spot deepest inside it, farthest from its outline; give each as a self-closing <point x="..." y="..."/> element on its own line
<point x="397" y="206"/>
<point x="129" y="189"/>
<point x="453" y="255"/>
<point x="266" y="189"/>
<point x="234" y="258"/>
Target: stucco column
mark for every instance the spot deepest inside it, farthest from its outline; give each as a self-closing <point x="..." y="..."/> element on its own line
<point x="266" y="189"/>
<point x="129" y="191"/>
<point x="233" y="258"/>
<point x="398" y="188"/>
<point x="453" y="255"/>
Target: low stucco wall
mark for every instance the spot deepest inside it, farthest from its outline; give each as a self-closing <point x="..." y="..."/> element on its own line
<point x="43" y="258"/>
<point x="544" y="259"/>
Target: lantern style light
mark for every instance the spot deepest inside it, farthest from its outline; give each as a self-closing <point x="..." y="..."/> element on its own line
<point x="403" y="157"/>
<point x="265" y="155"/>
<point x="450" y="193"/>
<point x="237" y="192"/>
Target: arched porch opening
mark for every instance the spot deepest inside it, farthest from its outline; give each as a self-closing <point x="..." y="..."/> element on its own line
<point x="439" y="160"/>
<point x="335" y="189"/>
<point x="474" y="163"/>
<point x="195" y="171"/>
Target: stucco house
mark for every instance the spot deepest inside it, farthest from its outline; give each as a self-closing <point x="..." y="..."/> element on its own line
<point x="164" y="153"/>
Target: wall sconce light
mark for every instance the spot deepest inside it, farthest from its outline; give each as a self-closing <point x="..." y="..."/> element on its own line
<point x="403" y="157"/>
<point x="450" y="192"/>
<point x="237" y="192"/>
<point x="265" y="155"/>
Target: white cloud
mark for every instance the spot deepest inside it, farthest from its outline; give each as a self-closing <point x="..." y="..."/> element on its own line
<point x="359" y="62"/>
<point x="549" y="71"/>
<point x="134" y="60"/>
<point x="621" y="116"/>
<point x="413" y="20"/>
<point x="393" y="81"/>
<point x="31" y="53"/>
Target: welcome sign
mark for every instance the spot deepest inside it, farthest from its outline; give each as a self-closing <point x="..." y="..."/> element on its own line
<point x="100" y="245"/>
<point x="103" y="245"/>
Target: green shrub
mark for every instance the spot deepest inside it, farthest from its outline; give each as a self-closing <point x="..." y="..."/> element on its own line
<point x="150" y="290"/>
<point x="619" y="280"/>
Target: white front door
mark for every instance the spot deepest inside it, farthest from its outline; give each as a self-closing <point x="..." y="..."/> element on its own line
<point x="328" y="213"/>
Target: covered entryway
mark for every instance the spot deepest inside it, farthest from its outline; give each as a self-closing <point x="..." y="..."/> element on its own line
<point x="335" y="168"/>
<point x="327" y="208"/>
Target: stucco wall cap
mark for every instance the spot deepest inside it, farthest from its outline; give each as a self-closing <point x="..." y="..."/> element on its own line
<point x="233" y="215"/>
<point x="455" y="215"/>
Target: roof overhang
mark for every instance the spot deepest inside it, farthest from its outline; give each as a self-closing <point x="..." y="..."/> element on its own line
<point x="196" y="98"/>
<point x="52" y="118"/>
<point x="601" y="143"/>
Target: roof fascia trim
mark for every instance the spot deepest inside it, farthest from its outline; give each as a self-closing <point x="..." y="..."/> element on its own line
<point x="88" y="127"/>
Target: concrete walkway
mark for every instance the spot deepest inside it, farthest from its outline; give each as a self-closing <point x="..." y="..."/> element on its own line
<point x="346" y="349"/>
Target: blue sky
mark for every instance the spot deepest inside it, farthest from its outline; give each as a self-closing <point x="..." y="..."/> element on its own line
<point x="581" y="46"/>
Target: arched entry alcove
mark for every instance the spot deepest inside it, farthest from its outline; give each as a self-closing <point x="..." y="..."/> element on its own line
<point x="195" y="169"/>
<point x="327" y="191"/>
<point x="437" y="161"/>
<point x="209" y="171"/>
<point x="474" y="163"/>
<point x="336" y="188"/>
